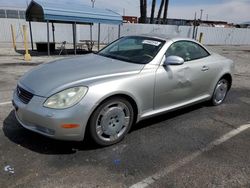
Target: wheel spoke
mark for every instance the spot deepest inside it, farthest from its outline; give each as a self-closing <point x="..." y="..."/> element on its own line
<point x="99" y="130"/>
<point x="224" y="86"/>
<point x="105" y="109"/>
<point x="121" y="106"/>
<point x="114" y="137"/>
<point x="126" y="121"/>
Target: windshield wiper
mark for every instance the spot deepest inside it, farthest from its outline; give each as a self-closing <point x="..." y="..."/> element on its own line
<point x="122" y="58"/>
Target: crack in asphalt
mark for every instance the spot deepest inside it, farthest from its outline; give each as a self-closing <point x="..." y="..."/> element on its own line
<point x="225" y="123"/>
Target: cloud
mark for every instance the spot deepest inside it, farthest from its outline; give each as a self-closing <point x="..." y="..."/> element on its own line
<point x="231" y="11"/>
<point x="236" y="11"/>
<point x="131" y="7"/>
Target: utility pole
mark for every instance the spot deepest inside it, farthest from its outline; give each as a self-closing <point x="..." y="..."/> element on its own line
<point x="201" y="14"/>
<point x="207" y="17"/>
<point x="194" y="25"/>
<point x="93" y="3"/>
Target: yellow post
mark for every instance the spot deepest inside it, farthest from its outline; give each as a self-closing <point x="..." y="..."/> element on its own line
<point x="200" y="38"/>
<point x="27" y="56"/>
<point x="13" y="36"/>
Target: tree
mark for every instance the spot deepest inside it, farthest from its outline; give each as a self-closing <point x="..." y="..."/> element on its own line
<point x="143" y="10"/>
<point x="165" y="12"/>
<point x="160" y="10"/>
<point x="152" y="12"/>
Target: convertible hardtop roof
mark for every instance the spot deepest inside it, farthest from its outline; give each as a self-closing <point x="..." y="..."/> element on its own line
<point x="163" y="37"/>
<point x="158" y="36"/>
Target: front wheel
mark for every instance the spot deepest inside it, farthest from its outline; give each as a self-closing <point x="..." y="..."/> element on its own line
<point x="220" y="92"/>
<point x="111" y="121"/>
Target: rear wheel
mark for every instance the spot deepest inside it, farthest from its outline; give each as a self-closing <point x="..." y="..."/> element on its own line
<point x="111" y="121"/>
<point x="220" y="92"/>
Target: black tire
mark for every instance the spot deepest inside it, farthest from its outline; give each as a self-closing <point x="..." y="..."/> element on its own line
<point x="218" y="98"/>
<point x="108" y="118"/>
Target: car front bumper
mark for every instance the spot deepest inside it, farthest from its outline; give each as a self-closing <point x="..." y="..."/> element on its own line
<point x="48" y="122"/>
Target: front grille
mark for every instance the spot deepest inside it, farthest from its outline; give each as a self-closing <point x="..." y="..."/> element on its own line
<point x="23" y="95"/>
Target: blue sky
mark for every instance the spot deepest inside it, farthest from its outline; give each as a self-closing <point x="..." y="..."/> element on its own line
<point x="236" y="11"/>
<point x="187" y="2"/>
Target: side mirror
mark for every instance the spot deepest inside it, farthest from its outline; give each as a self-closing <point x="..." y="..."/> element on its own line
<point x="173" y="60"/>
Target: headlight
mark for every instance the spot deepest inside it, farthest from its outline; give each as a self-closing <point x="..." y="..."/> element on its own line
<point x="66" y="98"/>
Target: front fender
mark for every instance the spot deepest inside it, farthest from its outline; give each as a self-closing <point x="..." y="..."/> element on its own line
<point x="139" y="87"/>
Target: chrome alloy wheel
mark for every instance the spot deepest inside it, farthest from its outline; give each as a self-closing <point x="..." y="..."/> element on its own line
<point x="113" y="121"/>
<point x="220" y="91"/>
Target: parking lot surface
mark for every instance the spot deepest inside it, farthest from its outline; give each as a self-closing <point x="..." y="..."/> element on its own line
<point x="198" y="146"/>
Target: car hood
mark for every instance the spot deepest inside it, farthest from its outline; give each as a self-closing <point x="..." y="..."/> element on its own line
<point x="47" y="78"/>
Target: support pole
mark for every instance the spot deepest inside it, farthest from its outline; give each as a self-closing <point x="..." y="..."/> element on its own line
<point x="201" y="37"/>
<point x="91" y="33"/>
<point x="119" y="31"/>
<point x="13" y="36"/>
<point x="48" y="37"/>
<point x="53" y="32"/>
<point x="108" y="35"/>
<point x="31" y="36"/>
<point x="27" y="56"/>
<point x="194" y="26"/>
<point x="196" y="32"/>
<point x="74" y="36"/>
<point x="99" y="33"/>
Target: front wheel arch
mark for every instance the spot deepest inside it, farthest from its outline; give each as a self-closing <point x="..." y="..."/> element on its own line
<point x="124" y="96"/>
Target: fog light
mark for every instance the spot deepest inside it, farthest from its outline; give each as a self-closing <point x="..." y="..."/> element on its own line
<point x="70" y="126"/>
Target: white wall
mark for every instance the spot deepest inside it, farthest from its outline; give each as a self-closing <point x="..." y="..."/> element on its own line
<point x="225" y="36"/>
<point x="212" y="35"/>
<point x="63" y="32"/>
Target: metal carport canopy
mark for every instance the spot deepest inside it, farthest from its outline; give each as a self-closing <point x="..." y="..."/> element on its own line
<point x="42" y="11"/>
<point x="73" y="13"/>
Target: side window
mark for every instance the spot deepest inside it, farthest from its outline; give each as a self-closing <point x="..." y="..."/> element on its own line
<point x="187" y="50"/>
<point x="177" y="49"/>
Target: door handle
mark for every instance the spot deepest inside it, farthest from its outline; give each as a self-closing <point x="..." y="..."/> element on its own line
<point x="205" y="68"/>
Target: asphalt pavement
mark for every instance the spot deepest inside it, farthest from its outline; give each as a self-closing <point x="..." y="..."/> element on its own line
<point x="198" y="146"/>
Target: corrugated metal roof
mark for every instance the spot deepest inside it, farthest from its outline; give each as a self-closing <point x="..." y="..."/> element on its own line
<point x="70" y="13"/>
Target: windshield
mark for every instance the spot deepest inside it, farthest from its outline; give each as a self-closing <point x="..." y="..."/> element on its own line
<point x="133" y="49"/>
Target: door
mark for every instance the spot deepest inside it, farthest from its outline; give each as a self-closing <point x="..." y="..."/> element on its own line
<point x="181" y="84"/>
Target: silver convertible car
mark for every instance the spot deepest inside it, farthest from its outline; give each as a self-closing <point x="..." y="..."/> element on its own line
<point x="105" y="93"/>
